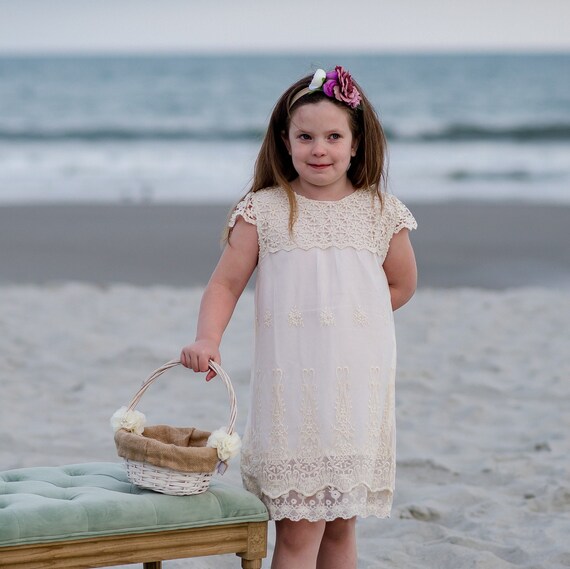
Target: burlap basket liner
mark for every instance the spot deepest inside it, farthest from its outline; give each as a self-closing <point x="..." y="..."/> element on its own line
<point x="179" y="448"/>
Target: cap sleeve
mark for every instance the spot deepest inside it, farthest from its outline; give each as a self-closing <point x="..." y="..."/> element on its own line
<point x="402" y="216"/>
<point x="246" y="209"/>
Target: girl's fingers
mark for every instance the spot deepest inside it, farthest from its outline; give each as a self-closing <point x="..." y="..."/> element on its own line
<point x="199" y="362"/>
<point x="203" y="362"/>
<point x="195" y="363"/>
<point x="211" y="374"/>
<point x="185" y="359"/>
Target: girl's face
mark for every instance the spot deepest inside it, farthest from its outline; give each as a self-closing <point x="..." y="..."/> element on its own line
<point x="321" y="145"/>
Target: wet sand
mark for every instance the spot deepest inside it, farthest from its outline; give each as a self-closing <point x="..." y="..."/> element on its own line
<point x="458" y="244"/>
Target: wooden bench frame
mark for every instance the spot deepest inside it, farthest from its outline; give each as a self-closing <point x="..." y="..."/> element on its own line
<point x="248" y="540"/>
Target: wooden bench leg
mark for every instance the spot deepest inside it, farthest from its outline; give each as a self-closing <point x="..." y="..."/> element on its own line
<point x="152" y="565"/>
<point x="251" y="563"/>
<point x="256" y="546"/>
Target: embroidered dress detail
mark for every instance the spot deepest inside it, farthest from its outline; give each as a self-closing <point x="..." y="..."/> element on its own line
<point x="278" y="434"/>
<point x="319" y="443"/>
<point x="360" y="318"/>
<point x="327" y="317"/>
<point x="268" y="319"/>
<point x="295" y="317"/>
<point x="310" y="433"/>
<point x="344" y="428"/>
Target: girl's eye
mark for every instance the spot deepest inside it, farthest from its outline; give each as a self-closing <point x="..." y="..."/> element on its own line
<point x="304" y="137"/>
<point x="335" y="136"/>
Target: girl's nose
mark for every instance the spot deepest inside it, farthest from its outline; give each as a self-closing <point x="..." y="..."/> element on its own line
<point x="318" y="148"/>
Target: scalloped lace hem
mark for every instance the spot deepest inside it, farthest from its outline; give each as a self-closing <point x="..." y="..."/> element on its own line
<point x="329" y="504"/>
<point x="322" y="246"/>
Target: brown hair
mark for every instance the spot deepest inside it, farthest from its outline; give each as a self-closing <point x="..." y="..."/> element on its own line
<point x="274" y="166"/>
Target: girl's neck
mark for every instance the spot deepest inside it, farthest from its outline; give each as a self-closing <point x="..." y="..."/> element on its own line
<point x="331" y="193"/>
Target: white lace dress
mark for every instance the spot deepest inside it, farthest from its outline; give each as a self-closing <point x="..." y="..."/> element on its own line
<point x="320" y="438"/>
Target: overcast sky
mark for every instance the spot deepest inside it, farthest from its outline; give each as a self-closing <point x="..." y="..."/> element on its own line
<point x="283" y="25"/>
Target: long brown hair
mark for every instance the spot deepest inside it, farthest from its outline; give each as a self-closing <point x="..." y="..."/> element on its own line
<point x="274" y="167"/>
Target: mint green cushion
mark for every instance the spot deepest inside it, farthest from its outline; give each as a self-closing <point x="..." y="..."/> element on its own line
<point x="87" y="500"/>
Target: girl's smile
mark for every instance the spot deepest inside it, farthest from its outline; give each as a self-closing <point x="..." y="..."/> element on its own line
<point x="321" y="145"/>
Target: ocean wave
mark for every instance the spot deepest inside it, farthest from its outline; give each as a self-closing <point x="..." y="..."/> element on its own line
<point x="513" y="175"/>
<point x="127" y="134"/>
<point x="450" y="133"/>
<point x="518" y="133"/>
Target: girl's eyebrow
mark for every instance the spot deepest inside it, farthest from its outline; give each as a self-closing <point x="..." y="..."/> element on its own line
<point x="329" y="131"/>
<point x="295" y="127"/>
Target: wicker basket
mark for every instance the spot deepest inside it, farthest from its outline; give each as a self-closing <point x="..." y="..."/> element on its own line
<point x="165" y="479"/>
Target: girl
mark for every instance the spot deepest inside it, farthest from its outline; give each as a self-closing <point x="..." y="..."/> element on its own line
<point x="334" y="260"/>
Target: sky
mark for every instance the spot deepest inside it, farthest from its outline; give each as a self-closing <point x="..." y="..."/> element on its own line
<point x="261" y="26"/>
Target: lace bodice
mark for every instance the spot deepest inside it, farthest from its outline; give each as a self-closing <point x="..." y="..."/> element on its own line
<point x="357" y="221"/>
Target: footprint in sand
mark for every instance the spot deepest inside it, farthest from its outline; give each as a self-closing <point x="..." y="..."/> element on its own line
<point x="556" y="499"/>
<point x="420" y="513"/>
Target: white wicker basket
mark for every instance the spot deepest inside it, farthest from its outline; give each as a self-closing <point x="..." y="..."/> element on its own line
<point x="167" y="480"/>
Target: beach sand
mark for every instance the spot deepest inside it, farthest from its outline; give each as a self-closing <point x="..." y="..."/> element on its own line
<point x="483" y="477"/>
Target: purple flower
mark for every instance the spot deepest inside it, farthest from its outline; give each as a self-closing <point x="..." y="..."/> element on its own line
<point x="328" y="87"/>
<point x="331" y="79"/>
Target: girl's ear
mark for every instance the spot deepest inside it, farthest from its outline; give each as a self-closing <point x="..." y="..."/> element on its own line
<point x="285" y="140"/>
<point x="354" y="147"/>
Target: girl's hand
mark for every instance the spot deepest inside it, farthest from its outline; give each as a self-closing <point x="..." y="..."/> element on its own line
<point x="197" y="356"/>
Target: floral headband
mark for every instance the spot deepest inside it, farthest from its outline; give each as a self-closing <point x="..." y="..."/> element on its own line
<point x="335" y="84"/>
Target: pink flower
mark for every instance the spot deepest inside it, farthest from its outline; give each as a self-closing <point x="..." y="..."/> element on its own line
<point x="345" y="90"/>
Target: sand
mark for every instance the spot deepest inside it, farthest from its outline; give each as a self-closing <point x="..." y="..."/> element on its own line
<point x="483" y="477"/>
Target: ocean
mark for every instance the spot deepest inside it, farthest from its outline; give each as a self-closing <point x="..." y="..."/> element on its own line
<point x="182" y="128"/>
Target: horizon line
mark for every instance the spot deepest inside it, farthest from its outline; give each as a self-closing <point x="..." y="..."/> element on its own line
<point x="183" y="52"/>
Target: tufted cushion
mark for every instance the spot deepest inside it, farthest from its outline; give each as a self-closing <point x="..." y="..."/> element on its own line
<point x="88" y="500"/>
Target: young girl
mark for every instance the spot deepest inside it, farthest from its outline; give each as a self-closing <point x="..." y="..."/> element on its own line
<point x="334" y="260"/>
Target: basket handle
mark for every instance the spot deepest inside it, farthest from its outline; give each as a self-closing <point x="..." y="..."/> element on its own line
<point x="173" y="363"/>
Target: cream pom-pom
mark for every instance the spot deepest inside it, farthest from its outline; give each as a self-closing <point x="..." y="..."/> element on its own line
<point x="227" y="446"/>
<point x="133" y="421"/>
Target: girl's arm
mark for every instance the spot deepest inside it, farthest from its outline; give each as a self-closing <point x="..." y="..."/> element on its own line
<point x="226" y="284"/>
<point x="400" y="269"/>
